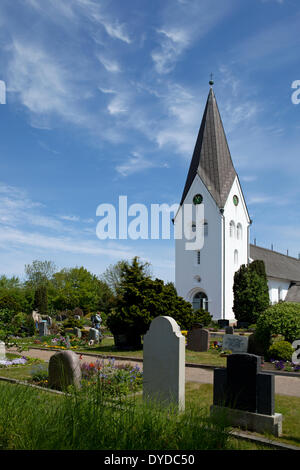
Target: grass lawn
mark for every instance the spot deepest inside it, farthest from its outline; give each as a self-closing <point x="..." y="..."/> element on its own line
<point x="201" y="394"/>
<point x="288" y="406"/>
<point x="106" y="347"/>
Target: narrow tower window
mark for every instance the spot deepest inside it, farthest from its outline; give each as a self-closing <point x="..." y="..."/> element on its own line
<point x="232" y="229"/>
<point x="198" y="257"/>
<point x="239" y="232"/>
<point x="236" y="258"/>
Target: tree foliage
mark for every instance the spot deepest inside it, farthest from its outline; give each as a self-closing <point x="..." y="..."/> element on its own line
<point x="251" y="294"/>
<point x="279" y="319"/>
<point x="39" y="272"/>
<point x="139" y="299"/>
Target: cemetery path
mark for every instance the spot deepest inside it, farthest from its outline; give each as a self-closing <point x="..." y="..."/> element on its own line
<point x="284" y="385"/>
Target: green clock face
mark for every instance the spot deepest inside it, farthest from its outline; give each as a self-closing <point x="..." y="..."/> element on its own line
<point x="197" y="199"/>
<point x="235" y="200"/>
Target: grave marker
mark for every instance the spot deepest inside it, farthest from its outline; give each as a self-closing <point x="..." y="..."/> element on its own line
<point x="248" y="393"/>
<point x="64" y="370"/>
<point x="235" y="343"/>
<point x="164" y="362"/>
<point x="198" y="339"/>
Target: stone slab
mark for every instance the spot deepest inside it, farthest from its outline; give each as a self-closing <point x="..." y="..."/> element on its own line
<point x="251" y="421"/>
<point x="235" y="343"/>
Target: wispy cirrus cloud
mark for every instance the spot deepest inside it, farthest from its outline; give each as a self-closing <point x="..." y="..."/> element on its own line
<point x="137" y="163"/>
<point x="182" y="25"/>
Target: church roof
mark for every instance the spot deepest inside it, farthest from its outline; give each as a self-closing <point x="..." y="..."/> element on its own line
<point x="278" y="265"/>
<point x="293" y="294"/>
<point x="211" y="158"/>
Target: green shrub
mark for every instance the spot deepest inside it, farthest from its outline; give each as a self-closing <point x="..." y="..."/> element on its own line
<point x="251" y="293"/>
<point x="203" y="317"/>
<point x="281" y="350"/>
<point x="279" y="319"/>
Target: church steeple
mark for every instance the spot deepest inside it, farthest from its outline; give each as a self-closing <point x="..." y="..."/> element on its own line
<point x="211" y="158"/>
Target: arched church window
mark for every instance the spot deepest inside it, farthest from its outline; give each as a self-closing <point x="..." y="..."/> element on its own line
<point x="239" y="231"/>
<point x="232" y="229"/>
<point x="200" y="300"/>
<point x="236" y="258"/>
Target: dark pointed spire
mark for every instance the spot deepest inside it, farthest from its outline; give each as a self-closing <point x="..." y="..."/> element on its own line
<point x="211" y="158"/>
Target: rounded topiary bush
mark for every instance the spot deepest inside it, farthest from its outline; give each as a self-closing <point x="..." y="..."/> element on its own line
<point x="281" y="350"/>
<point x="279" y="319"/>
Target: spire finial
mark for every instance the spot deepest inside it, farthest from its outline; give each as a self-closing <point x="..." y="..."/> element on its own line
<point x="211" y="82"/>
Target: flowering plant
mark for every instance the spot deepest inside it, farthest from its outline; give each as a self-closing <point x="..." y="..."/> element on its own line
<point x="14" y="362"/>
<point x="285" y="365"/>
<point x="114" y="378"/>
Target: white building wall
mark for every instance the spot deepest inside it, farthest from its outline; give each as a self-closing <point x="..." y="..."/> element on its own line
<point x="210" y="268"/>
<point x="239" y="216"/>
<point x="278" y="289"/>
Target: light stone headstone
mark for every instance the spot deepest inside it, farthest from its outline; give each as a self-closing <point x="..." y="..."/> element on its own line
<point x="94" y="335"/>
<point x="198" y="340"/>
<point x="235" y="343"/>
<point x="77" y="332"/>
<point x="164" y="363"/>
<point x="64" y="370"/>
<point x="2" y="351"/>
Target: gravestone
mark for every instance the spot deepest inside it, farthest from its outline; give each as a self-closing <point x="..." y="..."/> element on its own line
<point x="49" y="321"/>
<point x="94" y="335"/>
<point x="242" y="325"/>
<point x="164" y="363"/>
<point x="77" y="317"/>
<point x="223" y="323"/>
<point x="198" y="339"/>
<point x="64" y="370"/>
<point x="228" y="330"/>
<point x="77" y="332"/>
<point x="43" y="328"/>
<point x="68" y="344"/>
<point x="235" y="343"/>
<point x="2" y="351"/>
<point x="248" y="393"/>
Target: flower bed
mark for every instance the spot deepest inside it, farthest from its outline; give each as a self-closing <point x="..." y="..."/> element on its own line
<point x="115" y="379"/>
<point x="20" y="361"/>
<point x="286" y="366"/>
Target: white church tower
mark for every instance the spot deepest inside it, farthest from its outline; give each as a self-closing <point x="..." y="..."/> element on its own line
<point x="205" y="277"/>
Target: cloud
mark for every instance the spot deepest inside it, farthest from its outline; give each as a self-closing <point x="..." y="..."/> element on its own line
<point x="117" y="105"/>
<point x="70" y="218"/>
<point x="183" y="24"/>
<point x="137" y="163"/>
<point x="109" y="64"/>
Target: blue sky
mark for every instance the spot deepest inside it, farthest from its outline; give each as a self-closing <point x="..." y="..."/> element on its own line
<point x="105" y="98"/>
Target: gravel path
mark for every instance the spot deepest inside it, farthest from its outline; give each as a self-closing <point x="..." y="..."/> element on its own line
<point x="283" y="385"/>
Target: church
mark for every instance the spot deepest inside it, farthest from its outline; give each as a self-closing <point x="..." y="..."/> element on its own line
<point x="205" y="277"/>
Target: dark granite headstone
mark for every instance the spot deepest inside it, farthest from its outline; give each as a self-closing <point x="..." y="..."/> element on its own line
<point x="198" y="339"/>
<point x="242" y="370"/>
<point x="242" y="325"/>
<point x="242" y="385"/>
<point x="229" y="330"/>
<point x="223" y="323"/>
